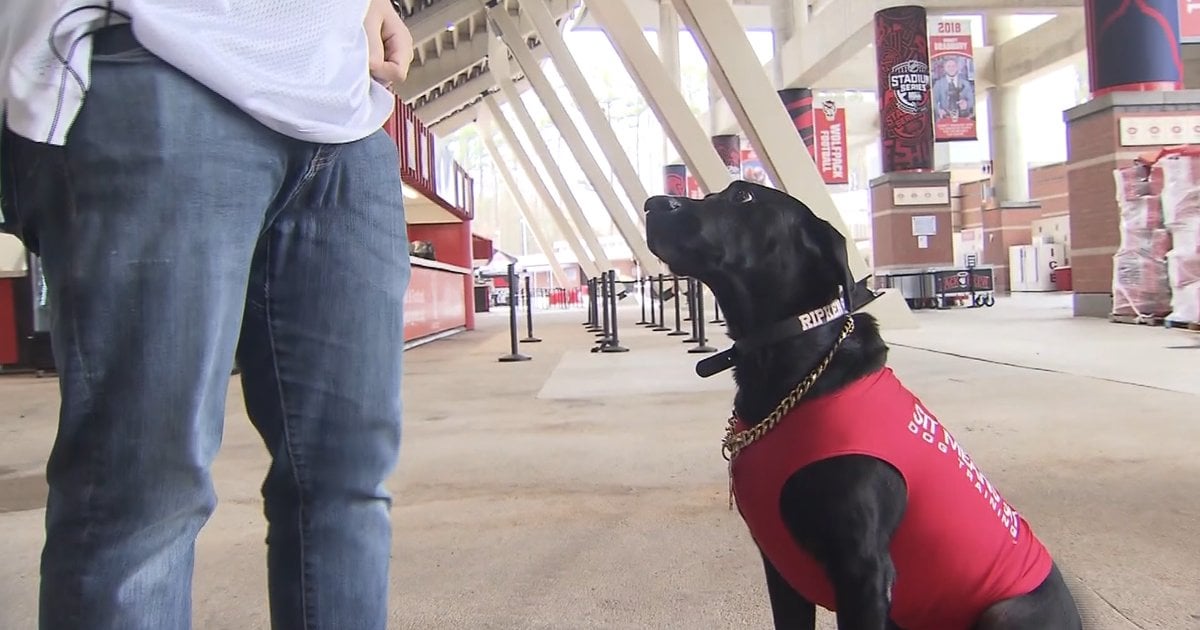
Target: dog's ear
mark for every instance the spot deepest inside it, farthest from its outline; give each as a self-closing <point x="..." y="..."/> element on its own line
<point x="833" y="244"/>
<point x="856" y="293"/>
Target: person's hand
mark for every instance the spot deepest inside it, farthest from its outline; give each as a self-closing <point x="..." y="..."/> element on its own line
<point x="391" y="44"/>
<point x="941" y="113"/>
<point x="962" y="104"/>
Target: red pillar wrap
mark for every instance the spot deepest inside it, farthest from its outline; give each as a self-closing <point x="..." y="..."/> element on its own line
<point x="675" y="180"/>
<point x="799" y="104"/>
<point x="906" y="122"/>
<point x="729" y="147"/>
<point x="1133" y="46"/>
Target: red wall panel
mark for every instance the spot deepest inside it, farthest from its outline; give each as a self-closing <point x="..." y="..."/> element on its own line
<point x="447" y="241"/>
<point x="434" y="303"/>
<point x="9" y="348"/>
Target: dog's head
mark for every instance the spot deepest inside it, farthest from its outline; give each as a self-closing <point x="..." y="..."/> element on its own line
<point x="764" y="254"/>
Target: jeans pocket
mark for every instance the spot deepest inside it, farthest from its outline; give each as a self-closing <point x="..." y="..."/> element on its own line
<point x="117" y="45"/>
<point x="30" y="174"/>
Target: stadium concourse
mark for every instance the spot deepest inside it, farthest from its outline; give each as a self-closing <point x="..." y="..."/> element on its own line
<point x="588" y="492"/>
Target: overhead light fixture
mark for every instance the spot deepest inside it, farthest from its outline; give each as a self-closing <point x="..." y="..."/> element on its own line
<point x="410" y="193"/>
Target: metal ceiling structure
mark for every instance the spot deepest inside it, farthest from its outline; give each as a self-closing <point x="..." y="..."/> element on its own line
<point x="450" y="72"/>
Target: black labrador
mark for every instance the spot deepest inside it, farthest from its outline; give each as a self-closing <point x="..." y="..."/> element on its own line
<point x="891" y="525"/>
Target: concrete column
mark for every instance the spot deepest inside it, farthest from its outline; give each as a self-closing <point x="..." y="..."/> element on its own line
<point x="510" y="136"/>
<point x="668" y="37"/>
<point x="668" y="51"/>
<point x="1010" y="172"/>
<point x="589" y="106"/>
<point x="1083" y="86"/>
<point x="498" y="62"/>
<point x="1191" y="66"/>
<point x="659" y="84"/>
<point x="506" y="27"/>
<point x="535" y="228"/>
<point x="788" y="18"/>
<point x="765" y="121"/>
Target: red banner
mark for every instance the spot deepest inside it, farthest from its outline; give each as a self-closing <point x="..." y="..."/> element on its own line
<point x="952" y="68"/>
<point x="830" y="144"/>
<point x="435" y="302"/>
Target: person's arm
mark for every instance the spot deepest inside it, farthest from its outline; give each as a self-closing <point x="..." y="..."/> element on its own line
<point x="391" y="44"/>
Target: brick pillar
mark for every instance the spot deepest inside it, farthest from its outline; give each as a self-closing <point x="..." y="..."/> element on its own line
<point x="896" y="198"/>
<point x="1004" y="226"/>
<point x="1102" y="135"/>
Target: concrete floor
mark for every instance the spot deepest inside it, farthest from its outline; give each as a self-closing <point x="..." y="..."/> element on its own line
<point x="580" y="491"/>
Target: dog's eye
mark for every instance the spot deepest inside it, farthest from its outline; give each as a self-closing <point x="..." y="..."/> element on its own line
<point x="743" y="196"/>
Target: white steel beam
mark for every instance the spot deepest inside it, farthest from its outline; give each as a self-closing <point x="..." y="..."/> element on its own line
<point x="662" y="93"/>
<point x="759" y="111"/>
<point x="764" y="120"/>
<point x="577" y="86"/>
<point x="448" y="125"/>
<point x="510" y="182"/>
<point x="629" y="230"/>
<point x="431" y="22"/>
<point x="498" y="60"/>
<point x="510" y="136"/>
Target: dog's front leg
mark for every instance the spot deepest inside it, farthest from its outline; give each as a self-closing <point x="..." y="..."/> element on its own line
<point x="789" y="609"/>
<point x="844" y="511"/>
<point x="863" y="585"/>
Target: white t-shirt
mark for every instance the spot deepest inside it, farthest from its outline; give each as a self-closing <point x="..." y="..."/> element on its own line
<point x="297" y="66"/>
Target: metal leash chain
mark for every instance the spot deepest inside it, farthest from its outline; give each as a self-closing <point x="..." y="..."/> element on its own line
<point x="735" y="441"/>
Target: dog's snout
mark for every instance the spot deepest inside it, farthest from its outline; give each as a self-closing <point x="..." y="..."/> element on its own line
<point x="663" y="203"/>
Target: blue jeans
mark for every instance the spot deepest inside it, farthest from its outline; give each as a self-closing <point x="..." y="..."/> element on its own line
<point x="177" y="233"/>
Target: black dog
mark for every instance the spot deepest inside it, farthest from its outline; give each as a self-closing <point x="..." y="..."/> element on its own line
<point x="858" y="499"/>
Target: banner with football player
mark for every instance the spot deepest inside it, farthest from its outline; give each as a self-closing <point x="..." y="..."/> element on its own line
<point x="952" y="68"/>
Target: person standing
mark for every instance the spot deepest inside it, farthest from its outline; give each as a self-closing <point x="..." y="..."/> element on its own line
<point x="206" y="181"/>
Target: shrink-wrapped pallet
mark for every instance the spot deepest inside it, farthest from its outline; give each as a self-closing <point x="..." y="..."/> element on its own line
<point x="1140" y="285"/>
<point x="1180" y="214"/>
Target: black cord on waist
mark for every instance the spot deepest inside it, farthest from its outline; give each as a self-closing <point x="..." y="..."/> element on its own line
<point x="65" y="60"/>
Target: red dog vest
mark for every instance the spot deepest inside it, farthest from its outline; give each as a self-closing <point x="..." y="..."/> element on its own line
<point x="959" y="548"/>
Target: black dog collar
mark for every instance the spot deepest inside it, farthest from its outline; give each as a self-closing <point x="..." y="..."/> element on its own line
<point x="841" y="307"/>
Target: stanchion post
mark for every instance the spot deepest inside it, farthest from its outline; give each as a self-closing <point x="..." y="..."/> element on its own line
<point x="652" y="324"/>
<point x="702" y="346"/>
<point x="614" y="341"/>
<point x="642" y="297"/>
<point x="514" y="354"/>
<point x="678" y="332"/>
<point x="716" y="313"/>
<point x="662" y="306"/>
<point x="529" y="338"/>
<point x="594" y="298"/>
<point x="691" y="309"/>
<point x="590" y="319"/>
<point x="605" y="296"/>
<point x="694" y="337"/>
<point x="604" y="336"/>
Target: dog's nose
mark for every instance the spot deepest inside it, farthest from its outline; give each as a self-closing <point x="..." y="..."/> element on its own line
<point x="663" y="203"/>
